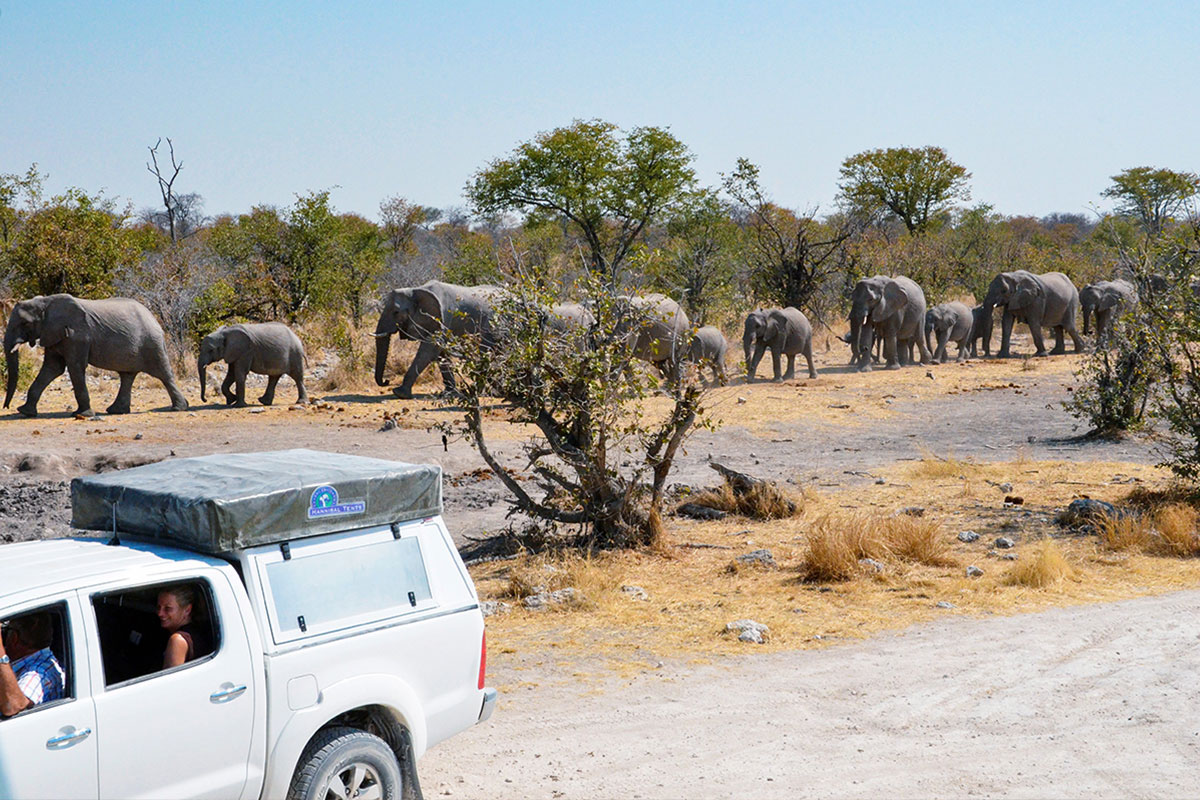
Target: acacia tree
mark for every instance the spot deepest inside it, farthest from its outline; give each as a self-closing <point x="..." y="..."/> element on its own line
<point x="791" y="255"/>
<point x="602" y="446"/>
<point x="1152" y="196"/>
<point x="608" y="187"/>
<point x="914" y="184"/>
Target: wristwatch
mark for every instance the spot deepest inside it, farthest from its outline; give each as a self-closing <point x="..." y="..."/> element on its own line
<point x="4" y="659"/>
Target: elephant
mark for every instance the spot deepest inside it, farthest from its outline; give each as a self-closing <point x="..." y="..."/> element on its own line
<point x="892" y="309"/>
<point x="268" y="348"/>
<point x="1107" y="300"/>
<point x="709" y="347"/>
<point x="422" y="314"/>
<point x="115" y="334"/>
<point x="785" y="331"/>
<point x="567" y="317"/>
<point x="949" y="322"/>
<point x="1049" y="300"/>
<point x="981" y="329"/>
<point x="658" y="331"/>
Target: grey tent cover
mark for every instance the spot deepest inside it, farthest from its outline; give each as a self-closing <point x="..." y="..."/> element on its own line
<point x="219" y="503"/>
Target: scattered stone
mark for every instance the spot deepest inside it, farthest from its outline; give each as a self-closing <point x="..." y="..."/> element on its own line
<point x="1013" y="500"/>
<point x="635" y="592"/>
<point x="880" y="481"/>
<point x="741" y="533"/>
<point x="444" y="789"/>
<point x="1085" y="513"/>
<point x="1008" y="556"/>
<point x="968" y="536"/>
<point x="1005" y="488"/>
<point x="543" y="600"/>
<point x="974" y="571"/>
<point x="697" y="511"/>
<point x="748" y="630"/>
<point x="257" y="410"/>
<point x="741" y="401"/>
<point x="761" y="558"/>
<point x="389" y="424"/>
<point x="1004" y="543"/>
<point x="871" y="564"/>
<point x="137" y="436"/>
<point x="492" y="607"/>
<point x="913" y="511"/>
<point x="944" y="604"/>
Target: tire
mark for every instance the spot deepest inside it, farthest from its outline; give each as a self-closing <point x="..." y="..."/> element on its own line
<point x="350" y="760"/>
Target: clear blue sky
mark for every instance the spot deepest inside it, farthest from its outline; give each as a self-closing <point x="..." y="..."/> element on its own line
<point x="1041" y="101"/>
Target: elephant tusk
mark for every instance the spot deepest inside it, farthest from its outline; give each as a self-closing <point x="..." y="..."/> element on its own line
<point x="381" y="335"/>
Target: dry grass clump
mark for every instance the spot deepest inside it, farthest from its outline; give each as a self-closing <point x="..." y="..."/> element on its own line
<point x="1047" y="566"/>
<point x="1177" y="530"/>
<point x="1124" y="533"/>
<point x="838" y="542"/>
<point x="763" y="501"/>
<point x="537" y="574"/>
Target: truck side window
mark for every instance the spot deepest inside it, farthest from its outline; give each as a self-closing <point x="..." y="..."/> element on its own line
<point x="136" y="627"/>
<point x="38" y="642"/>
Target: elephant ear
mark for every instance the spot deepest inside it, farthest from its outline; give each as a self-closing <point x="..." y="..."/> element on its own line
<point x="427" y="316"/>
<point x="1027" y="293"/>
<point x="237" y="344"/>
<point x="893" y="299"/>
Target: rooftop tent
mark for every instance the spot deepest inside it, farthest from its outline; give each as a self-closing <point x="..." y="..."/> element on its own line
<point x="230" y="501"/>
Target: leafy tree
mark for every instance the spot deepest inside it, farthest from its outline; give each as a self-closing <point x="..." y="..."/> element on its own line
<point x="609" y="188"/>
<point x="74" y="243"/>
<point x="599" y="457"/>
<point x="698" y="261"/>
<point x="914" y="184"/>
<point x="1152" y="196"/>
<point x="14" y="188"/>
<point x="791" y="255"/>
<point x="361" y="263"/>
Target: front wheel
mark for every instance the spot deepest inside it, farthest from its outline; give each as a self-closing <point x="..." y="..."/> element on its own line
<point x="347" y="763"/>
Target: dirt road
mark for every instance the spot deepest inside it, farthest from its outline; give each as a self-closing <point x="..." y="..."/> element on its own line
<point x="1095" y="701"/>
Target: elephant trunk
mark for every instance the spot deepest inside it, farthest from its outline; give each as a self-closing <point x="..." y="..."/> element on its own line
<point x="1087" y="312"/>
<point x="748" y="344"/>
<point x="989" y="304"/>
<point x="382" y="345"/>
<point x="12" y="360"/>
<point x="202" y="368"/>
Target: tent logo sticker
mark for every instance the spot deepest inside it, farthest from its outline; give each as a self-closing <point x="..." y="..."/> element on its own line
<point x="324" y="503"/>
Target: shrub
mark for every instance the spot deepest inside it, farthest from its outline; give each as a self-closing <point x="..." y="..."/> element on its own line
<point x="1046" y="566"/>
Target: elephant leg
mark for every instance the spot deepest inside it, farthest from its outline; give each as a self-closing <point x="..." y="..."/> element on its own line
<point x="240" y="370"/>
<point x="427" y="352"/>
<point x="302" y="393"/>
<point x="226" y="388"/>
<point x="121" y="403"/>
<point x="448" y="384"/>
<point x="77" y="372"/>
<point x="722" y="376"/>
<point x="1006" y="326"/>
<point x="791" y="370"/>
<point x="53" y="365"/>
<point x="268" y="396"/>
<point x="891" y="351"/>
<point x="1039" y="343"/>
<point x="962" y="350"/>
<point x="812" y="371"/>
<point x="1060" y="346"/>
<point x="760" y="347"/>
<point x="162" y="372"/>
<point x="775" y="363"/>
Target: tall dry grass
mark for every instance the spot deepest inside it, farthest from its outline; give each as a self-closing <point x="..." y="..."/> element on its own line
<point x="592" y="577"/>
<point x="764" y="501"/>
<point x="1047" y="566"/>
<point x="1169" y="530"/>
<point x="836" y="543"/>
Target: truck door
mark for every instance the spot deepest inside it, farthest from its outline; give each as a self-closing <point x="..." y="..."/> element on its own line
<point x="185" y="731"/>
<point x="49" y="749"/>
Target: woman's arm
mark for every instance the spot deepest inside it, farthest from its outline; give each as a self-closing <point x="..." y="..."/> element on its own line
<point x="176" y="652"/>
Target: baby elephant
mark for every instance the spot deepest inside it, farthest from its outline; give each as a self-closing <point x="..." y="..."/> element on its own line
<point x="783" y="331"/>
<point x="268" y="348"/>
<point x="708" y="347"/>
<point x="949" y="322"/>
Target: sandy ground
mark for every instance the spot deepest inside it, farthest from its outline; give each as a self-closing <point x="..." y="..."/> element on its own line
<point x="1094" y="701"/>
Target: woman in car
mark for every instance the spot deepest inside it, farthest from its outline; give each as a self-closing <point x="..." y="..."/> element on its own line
<point x="186" y="639"/>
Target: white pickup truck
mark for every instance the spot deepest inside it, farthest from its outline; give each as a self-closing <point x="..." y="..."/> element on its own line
<point x="337" y="633"/>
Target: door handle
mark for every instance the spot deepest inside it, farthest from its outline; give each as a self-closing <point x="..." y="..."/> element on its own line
<point x="227" y="694"/>
<point x="66" y="739"/>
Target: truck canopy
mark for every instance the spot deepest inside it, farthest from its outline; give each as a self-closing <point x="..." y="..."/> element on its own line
<point x="220" y="503"/>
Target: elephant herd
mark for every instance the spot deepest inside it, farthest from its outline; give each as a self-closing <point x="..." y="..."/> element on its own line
<point x="888" y="314"/>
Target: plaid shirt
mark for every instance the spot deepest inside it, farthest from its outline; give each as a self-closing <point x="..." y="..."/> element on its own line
<point x="39" y="676"/>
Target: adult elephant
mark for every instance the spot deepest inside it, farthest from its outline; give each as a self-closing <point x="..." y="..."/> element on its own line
<point x="423" y="314"/>
<point x="1107" y="300"/>
<point x="267" y="348"/>
<point x="783" y="331"/>
<point x="116" y="334"/>
<point x="892" y="309"/>
<point x="658" y="331"/>
<point x="981" y="331"/>
<point x="948" y="322"/>
<point x="1049" y="300"/>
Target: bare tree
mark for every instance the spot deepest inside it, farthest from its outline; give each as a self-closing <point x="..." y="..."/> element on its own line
<point x="166" y="185"/>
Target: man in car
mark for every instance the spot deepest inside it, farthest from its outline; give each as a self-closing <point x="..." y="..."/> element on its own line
<point x="29" y="672"/>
